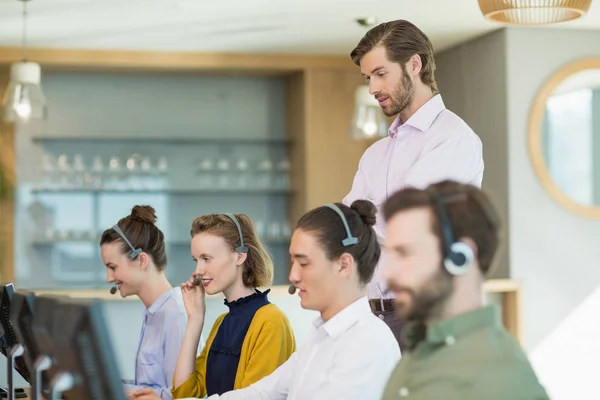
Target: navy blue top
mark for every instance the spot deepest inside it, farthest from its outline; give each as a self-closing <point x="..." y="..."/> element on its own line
<point x="224" y="354"/>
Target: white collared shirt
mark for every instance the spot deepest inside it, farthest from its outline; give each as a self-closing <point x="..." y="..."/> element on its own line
<point x="351" y="356"/>
<point x="434" y="144"/>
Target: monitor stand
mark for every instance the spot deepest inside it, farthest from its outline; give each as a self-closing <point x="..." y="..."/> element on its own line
<point x="62" y="382"/>
<point x="12" y="392"/>
<point x="43" y="363"/>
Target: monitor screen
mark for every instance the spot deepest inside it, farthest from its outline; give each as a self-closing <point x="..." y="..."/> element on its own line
<point x="21" y="315"/>
<point x="83" y="347"/>
<point x="43" y="327"/>
<point x="7" y="331"/>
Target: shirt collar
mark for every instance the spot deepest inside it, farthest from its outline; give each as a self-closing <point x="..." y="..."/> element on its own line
<point x="453" y="328"/>
<point x="345" y="319"/>
<point x="153" y="309"/>
<point x="422" y="118"/>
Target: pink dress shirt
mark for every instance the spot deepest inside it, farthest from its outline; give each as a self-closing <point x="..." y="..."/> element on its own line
<point x="433" y="145"/>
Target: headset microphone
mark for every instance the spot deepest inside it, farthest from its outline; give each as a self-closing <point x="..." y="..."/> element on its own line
<point x="196" y="282"/>
<point x="113" y="290"/>
<point x="292" y="289"/>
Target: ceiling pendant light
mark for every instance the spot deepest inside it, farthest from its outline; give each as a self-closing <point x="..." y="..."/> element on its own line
<point x="533" y="12"/>
<point x="24" y="98"/>
<point x="368" y="121"/>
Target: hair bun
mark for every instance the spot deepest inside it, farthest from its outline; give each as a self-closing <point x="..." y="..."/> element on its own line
<point x="366" y="210"/>
<point x="144" y="214"/>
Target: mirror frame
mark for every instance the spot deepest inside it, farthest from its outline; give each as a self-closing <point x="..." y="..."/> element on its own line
<point x="536" y="120"/>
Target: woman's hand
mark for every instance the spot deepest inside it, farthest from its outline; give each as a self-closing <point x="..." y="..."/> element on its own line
<point x="144" y="394"/>
<point x="193" y="299"/>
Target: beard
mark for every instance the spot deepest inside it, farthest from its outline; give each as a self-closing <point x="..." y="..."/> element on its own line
<point x="402" y="96"/>
<point x="426" y="302"/>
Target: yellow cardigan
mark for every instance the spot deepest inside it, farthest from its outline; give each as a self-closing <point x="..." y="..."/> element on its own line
<point x="269" y="342"/>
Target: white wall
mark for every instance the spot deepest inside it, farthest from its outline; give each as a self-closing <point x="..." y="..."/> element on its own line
<point x="492" y="82"/>
<point x="553" y="251"/>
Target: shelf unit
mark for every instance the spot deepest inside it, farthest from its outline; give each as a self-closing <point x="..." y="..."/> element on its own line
<point x="82" y="184"/>
<point x="314" y="107"/>
<point x="173" y="191"/>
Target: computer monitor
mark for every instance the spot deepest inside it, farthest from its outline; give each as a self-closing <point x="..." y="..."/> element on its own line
<point x="43" y="327"/>
<point x="21" y="315"/>
<point x="24" y="306"/>
<point x="8" y="339"/>
<point x="84" y="351"/>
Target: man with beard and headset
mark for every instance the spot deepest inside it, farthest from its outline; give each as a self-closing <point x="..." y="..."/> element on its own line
<point x="441" y="242"/>
<point x="426" y="143"/>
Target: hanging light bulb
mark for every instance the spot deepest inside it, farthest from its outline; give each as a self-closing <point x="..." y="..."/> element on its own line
<point x="24" y="98"/>
<point x="368" y="121"/>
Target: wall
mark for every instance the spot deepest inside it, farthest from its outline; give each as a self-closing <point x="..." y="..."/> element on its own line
<point x="492" y="82"/>
<point x="463" y="75"/>
<point x="554" y="252"/>
<point x="545" y="258"/>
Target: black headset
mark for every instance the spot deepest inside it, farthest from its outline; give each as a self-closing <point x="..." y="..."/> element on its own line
<point x="241" y="248"/>
<point x="458" y="256"/>
<point x="134" y="252"/>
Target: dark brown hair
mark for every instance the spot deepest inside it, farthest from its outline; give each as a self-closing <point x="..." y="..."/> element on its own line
<point x="140" y="229"/>
<point x="469" y="210"/>
<point x="258" y="267"/>
<point x="329" y="230"/>
<point x="401" y="40"/>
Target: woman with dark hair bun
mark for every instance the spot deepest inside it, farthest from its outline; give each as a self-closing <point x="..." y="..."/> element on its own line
<point x="133" y="252"/>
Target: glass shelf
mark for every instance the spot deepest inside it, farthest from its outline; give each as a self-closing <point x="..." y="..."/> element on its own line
<point x="257" y="191"/>
<point x="170" y="140"/>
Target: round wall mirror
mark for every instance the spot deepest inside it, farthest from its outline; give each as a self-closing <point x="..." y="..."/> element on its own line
<point x="564" y="137"/>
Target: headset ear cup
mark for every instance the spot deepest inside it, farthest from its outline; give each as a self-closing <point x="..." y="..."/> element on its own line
<point x="460" y="259"/>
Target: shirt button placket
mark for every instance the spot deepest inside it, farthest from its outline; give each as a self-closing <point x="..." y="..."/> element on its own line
<point x="403" y="392"/>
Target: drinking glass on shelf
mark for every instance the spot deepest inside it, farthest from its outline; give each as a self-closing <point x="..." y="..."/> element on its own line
<point x="64" y="171"/>
<point x="132" y="165"/>
<point x="242" y="174"/>
<point x="162" y="167"/>
<point x="286" y="231"/>
<point x="283" y="174"/>
<point x="97" y="172"/>
<point x="260" y="229"/>
<point x="146" y="171"/>
<point x="114" y="172"/>
<point x="224" y="171"/>
<point x="48" y="171"/>
<point x="205" y="170"/>
<point x="265" y="170"/>
<point x="78" y="171"/>
<point x="274" y="233"/>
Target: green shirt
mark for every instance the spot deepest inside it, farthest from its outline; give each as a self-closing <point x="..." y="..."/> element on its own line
<point x="469" y="357"/>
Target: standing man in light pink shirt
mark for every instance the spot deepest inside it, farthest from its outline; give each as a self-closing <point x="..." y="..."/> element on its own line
<point x="426" y="143"/>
